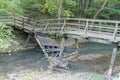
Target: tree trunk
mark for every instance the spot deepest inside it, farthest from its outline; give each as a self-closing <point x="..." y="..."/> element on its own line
<point x="102" y="7"/>
<point x="86" y="7"/>
<point x="60" y="8"/>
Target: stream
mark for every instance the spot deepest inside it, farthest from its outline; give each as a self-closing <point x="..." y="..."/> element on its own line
<point x="34" y="60"/>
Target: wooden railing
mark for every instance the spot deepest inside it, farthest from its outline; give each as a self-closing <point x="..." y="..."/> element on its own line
<point x="66" y="25"/>
<point x="21" y="22"/>
<point x="107" y="27"/>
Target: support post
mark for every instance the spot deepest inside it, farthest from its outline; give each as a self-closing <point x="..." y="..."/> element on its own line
<point x="62" y="46"/>
<point x="14" y="21"/>
<point x="113" y="58"/>
<point x="23" y="23"/>
<point x="27" y="40"/>
<point x="77" y="45"/>
<point x="86" y="28"/>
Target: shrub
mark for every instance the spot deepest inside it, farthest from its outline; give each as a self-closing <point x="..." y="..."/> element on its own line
<point x="6" y="36"/>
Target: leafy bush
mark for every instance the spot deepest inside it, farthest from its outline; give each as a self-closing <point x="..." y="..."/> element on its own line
<point x="6" y="36"/>
<point x="10" y="7"/>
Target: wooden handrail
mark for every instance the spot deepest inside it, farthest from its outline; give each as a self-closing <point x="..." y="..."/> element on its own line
<point x="115" y="32"/>
<point x="100" y="26"/>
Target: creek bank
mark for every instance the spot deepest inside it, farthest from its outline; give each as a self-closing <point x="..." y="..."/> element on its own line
<point x="19" y="43"/>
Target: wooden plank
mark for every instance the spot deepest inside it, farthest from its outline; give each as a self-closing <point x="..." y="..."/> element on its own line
<point x="94" y="35"/>
<point x="93" y="20"/>
<point x="27" y="40"/>
<point x="53" y="50"/>
<point x="46" y="41"/>
<point x="43" y="49"/>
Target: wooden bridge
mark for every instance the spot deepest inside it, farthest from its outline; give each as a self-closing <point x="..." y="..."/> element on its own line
<point x="102" y="31"/>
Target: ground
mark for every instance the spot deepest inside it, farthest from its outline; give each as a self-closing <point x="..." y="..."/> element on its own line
<point x="49" y="75"/>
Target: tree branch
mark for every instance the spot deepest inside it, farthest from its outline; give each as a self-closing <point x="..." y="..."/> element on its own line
<point x="102" y="7"/>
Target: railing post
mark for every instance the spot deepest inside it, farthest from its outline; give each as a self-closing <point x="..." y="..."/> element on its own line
<point x="62" y="29"/>
<point x="100" y="27"/>
<point x="23" y="19"/>
<point x="45" y="29"/>
<point x="33" y="25"/>
<point x="28" y="39"/>
<point x="14" y="20"/>
<point x="86" y="28"/>
<point x="79" y="24"/>
<point x="115" y="32"/>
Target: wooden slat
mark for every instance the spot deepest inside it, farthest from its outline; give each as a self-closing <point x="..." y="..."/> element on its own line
<point x="47" y="41"/>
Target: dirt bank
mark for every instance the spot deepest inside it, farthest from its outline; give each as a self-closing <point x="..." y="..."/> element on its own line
<point x="19" y="43"/>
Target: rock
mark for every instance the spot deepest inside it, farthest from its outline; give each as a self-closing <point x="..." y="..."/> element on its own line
<point x="12" y="76"/>
<point x="59" y="63"/>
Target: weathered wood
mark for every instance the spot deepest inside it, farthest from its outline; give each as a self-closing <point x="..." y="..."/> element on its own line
<point x="113" y="58"/>
<point x="93" y="35"/>
<point x="62" y="29"/>
<point x="46" y="41"/>
<point x="42" y="47"/>
<point x="23" y="22"/>
<point x="46" y="26"/>
<point x="77" y="45"/>
<point x="86" y="28"/>
<point x="27" y="40"/>
<point x="115" y="32"/>
<point x="62" y="46"/>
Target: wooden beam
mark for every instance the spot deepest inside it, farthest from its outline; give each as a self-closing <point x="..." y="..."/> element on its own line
<point x="62" y="46"/>
<point x="42" y="47"/>
<point x="86" y="29"/>
<point x="28" y="39"/>
<point x="77" y="45"/>
<point x="113" y="58"/>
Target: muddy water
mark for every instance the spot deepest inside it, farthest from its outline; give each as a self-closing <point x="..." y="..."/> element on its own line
<point x="34" y="60"/>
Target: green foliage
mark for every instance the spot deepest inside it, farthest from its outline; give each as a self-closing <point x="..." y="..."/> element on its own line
<point x="6" y="36"/>
<point x="91" y="12"/>
<point x="69" y="6"/>
<point x="50" y="7"/>
<point x="10" y="7"/>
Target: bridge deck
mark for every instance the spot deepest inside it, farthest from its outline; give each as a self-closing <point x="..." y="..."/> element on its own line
<point x="93" y="35"/>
